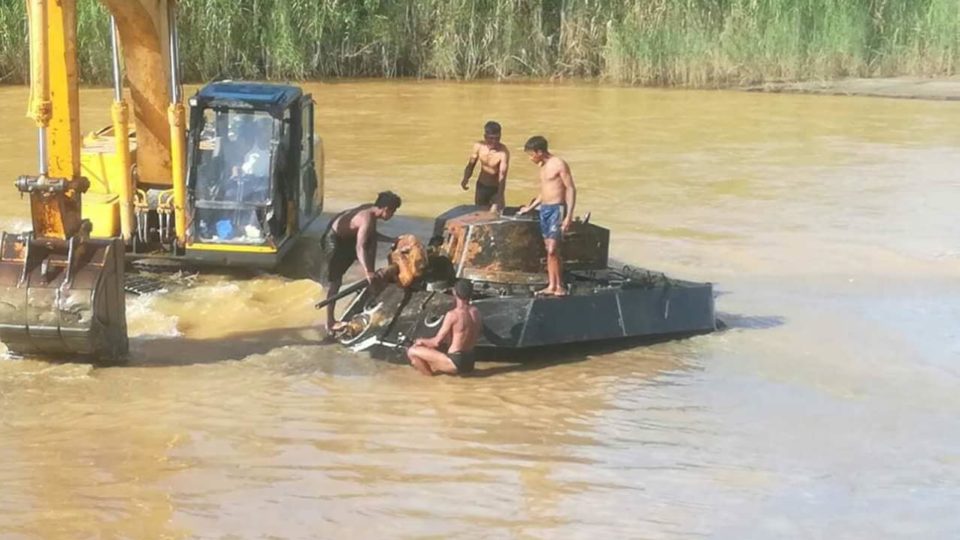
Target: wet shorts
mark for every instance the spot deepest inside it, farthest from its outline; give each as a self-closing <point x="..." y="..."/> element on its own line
<point x="551" y="220"/>
<point x="463" y="360"/>
<point x="340" y="254"/>
<point x="486" y="194"/>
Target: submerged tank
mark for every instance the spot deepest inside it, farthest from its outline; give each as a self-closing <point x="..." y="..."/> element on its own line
<point x="504" y="257"/>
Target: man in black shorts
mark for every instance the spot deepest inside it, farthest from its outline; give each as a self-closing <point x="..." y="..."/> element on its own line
<point x="460" y="330"/>
<point x="352" y="236"/>
<point x="494" y="161"/>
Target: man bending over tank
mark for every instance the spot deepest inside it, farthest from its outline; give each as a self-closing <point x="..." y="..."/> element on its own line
<point x="461" y="328"/>
<point x="352" y="236"/>
<point x="494" y="161"/>
<point x="558" y="196"/>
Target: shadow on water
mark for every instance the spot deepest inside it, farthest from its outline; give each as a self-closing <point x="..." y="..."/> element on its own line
<point x="546" y="357"/>
<point x="182" y="351"/>
<point x="176" y="351"/>
<point x="730" y="321"/>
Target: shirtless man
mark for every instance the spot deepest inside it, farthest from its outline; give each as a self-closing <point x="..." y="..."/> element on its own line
<point x="494" y="160"/>
<point x="461" y="327"/>
<point x="352" y="236"/>
<point x="557" y="198"/>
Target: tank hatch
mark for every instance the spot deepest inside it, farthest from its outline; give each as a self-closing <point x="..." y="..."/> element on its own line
<point x="484" y="246"/>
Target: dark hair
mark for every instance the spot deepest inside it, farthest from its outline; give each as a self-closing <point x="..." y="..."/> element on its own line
<point x="387" y="199"/>
<point x="535" y="143"/>
<point x="491" y="128"/>
<point x="463" y="289"/>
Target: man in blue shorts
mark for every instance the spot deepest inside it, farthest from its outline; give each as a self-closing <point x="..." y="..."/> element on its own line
<point x="558" y="196"/>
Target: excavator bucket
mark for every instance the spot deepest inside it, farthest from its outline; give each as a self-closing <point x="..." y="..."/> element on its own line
<point x="62" y="298"/>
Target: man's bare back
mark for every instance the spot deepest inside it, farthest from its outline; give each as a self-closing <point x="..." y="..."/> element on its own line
<point x="465" y="322"/>
<point x="347" y="224"/>
<point x="461" y="329"/>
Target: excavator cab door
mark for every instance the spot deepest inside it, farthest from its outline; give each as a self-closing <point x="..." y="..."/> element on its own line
<point x="310" y="194"/>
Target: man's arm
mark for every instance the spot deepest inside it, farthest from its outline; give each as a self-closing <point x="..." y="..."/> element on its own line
<point x="500" y="200"/>
<point x="569" y="194"/>
<point x="533" y="204"/>
<point x="364" y="254"/>
<point x="471" y="163"/>
<point x="445" y="329"/>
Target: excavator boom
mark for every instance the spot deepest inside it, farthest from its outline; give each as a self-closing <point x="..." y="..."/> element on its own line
<point x="61" y="290"/>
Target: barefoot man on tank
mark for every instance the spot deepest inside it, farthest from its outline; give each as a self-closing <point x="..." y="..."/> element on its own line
<point x="494" y="161"/>
<point x="557" y="198"/>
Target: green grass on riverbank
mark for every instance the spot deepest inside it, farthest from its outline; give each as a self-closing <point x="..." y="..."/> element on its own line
<point x="657" y="42"/>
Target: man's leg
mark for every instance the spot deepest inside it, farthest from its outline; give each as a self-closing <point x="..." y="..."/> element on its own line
<point x="436" y="361"/>
<point x="418" y="363"/>
<point x="340" y="261"/>
<point x="333" y="288"/>
<point x="553" y="259"/>
<point x="551" y="246"/>
<point x="486" y="195"/>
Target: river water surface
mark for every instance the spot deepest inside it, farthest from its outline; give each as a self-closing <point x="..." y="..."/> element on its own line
<point x="828" y="409"/>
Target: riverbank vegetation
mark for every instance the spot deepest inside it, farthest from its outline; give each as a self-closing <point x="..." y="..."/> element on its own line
<point x="653" y="42"/>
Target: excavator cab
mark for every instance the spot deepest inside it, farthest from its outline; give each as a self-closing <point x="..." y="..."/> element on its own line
<point x="252" y="174"/>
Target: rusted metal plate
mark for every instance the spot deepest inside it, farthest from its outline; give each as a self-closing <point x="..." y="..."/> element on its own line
<point x="487" y="247"/>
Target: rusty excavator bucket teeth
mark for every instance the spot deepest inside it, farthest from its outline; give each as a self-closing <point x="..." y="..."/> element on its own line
<point x="62" y="299"/>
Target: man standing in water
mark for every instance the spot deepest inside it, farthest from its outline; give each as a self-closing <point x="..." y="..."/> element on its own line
<point x="461" y="327"/>
<point x="352" y="236"/>
<point x="557" y="198"/>
<point x="494" y="160"/>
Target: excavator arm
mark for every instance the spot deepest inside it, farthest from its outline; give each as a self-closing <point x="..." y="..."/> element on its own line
<point x="61" y="291"/>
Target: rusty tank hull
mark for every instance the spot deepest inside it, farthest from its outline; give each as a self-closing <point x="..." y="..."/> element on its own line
<point x="504" y="257"/>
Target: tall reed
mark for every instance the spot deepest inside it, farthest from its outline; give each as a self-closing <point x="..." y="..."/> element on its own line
<point x="659" y="42"/>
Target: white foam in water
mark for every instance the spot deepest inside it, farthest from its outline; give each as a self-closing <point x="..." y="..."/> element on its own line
<point x="215" y="290"/>
<point x="145" y="321"/>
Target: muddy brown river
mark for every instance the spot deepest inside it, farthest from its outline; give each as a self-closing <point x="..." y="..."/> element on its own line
<point x="830" y="408"/>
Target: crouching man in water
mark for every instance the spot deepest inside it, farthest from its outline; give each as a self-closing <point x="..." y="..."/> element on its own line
<point x="557" y="198"/>
<point x="352" y="236"/>
<point x="461" y="327"/>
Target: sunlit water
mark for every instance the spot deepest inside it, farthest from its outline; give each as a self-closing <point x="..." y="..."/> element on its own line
<point x="828" y="409"/>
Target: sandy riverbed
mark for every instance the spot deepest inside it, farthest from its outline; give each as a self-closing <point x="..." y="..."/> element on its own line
<point x="947" y="89"/>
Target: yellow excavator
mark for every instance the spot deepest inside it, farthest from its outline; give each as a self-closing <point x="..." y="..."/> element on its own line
<point x="231" y="181"/>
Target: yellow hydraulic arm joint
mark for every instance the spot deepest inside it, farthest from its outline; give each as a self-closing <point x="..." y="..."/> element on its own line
<point x="178" y="133"/>
<point x="178" y="162"/>
<point x="55" y="193"/>
<point x="120" y="114"/>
